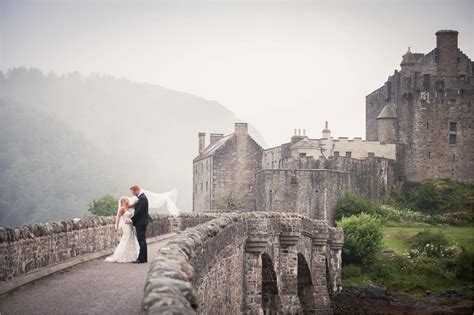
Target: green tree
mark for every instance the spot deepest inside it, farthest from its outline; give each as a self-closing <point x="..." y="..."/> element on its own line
<point x="352" y="205"/>
<point x="427" y="199"/>
<point x="107" y="205"/>
<point x="362" y="238"/>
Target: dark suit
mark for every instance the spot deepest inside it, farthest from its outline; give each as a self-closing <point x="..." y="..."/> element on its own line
<point x="140" y="221"/>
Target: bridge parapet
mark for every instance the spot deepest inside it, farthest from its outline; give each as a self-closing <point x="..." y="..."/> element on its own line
<point x="249" y="263"/>
<point x="35" y="247"/>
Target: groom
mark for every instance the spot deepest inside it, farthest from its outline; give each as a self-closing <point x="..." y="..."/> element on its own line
<point x="140" y="221"/>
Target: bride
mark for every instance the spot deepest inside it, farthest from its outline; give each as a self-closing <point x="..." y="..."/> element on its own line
<point x="127" y="250"/>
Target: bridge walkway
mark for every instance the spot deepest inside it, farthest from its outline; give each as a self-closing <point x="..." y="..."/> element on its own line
<point x="93" y="287"/>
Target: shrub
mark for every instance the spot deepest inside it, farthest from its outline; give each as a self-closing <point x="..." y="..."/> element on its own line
<point x="429" y="244"/>
<point x="441" y="196"/>
<point x="426" y="198"/>
<point x="350" y="271"/>
<point x="463" y="265"/>
<point x="107" y="205"/>
<point x="362" y="238"/>
<point x="352" y="205"/>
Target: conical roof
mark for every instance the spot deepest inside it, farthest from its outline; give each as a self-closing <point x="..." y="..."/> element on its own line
<point x="388" y="111"/>
<point x="408" y="59"/>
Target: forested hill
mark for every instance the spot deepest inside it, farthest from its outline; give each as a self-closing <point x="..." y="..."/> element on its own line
<point x="67" y="139"/>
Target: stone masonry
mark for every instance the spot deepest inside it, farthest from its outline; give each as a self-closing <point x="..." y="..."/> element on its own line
<point x="306" y="176"/>
<point x="248" y="263"/>
<point x="427" y="107"/>
<point x="34" y="247"/>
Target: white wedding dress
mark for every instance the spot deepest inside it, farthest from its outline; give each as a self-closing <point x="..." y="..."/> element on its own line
<point x="127" y="250"/>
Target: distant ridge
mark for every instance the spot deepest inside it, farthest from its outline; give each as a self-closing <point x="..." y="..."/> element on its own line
<point x="142" y="133"/>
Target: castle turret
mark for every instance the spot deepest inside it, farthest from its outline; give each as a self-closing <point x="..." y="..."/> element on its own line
<point x="408" y="61"/>
<point x="386" y="124"/>
<point x="447" y="52"/>
<point x="202" y="141"/>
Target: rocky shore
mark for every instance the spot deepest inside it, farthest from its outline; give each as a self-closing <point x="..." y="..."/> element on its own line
<point x="378" y="300"/>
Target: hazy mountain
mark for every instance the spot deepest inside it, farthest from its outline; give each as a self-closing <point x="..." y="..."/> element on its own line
<point x="114" y="131"/>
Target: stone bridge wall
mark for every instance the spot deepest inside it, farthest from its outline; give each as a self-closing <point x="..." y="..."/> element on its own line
<point x="36" y="246"/>
<point x="246" y="263"/>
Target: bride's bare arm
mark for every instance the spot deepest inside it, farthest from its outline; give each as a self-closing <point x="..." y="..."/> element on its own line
<point x="117" y="218"/>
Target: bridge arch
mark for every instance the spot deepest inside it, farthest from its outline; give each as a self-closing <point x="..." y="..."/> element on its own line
<point x="271" y="302"/>
<point x="305" y="289"/>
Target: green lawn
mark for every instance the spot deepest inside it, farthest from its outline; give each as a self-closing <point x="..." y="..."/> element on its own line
<point x="398" y="238"/>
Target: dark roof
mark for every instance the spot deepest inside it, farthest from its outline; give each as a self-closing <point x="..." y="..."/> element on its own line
<point x="388" y="112"/>
<point x="211" y="149"/>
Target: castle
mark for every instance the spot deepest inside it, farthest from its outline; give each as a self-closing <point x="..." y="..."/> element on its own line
<point x="419" y="125"/>
<point x="427" y="108"/>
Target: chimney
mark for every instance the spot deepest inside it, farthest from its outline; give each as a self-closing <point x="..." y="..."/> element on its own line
<point x="202" y="141"/>
<point x="216" y="137"/>
<point x="326" y="131"/>
<point x="297" y="136"/>
<point x="241" y="128"/>
<point x="447" y="52"/>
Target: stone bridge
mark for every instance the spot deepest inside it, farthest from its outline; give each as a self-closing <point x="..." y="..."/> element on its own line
<point x="234" y="263"/>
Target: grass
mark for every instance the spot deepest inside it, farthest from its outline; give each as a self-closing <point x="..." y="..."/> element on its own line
<point x="398" y="238"/>
<point x="414" y="283"/>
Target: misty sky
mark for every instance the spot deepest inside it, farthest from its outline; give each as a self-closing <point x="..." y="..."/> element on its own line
<point x="277" y="65"/>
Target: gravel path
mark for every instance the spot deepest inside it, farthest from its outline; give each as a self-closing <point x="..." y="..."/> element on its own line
<point x="94" y="287"/>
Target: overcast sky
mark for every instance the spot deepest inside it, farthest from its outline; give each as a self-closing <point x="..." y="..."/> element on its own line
<point x="277" y="65"/>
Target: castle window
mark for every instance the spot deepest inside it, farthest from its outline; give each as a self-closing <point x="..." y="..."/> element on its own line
<point x="348" y="154"/>
<point x="452" y="132"/>
<point x="293" y="180"/>
<point x="429" y="155"/>
<point x="427" y="125"/>
<point x="336" y="153"/>
<point x="201" y="186"/>
<point x="454" y="157"/>
<point x="459" y="59"/>
<point x="440" y="86"/>
<point x="426" y="82"/>
<point x="462" y="77"/>
<point x="371" y="154"/>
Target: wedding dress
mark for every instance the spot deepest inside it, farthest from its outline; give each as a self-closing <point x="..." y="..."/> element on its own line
<point x="127" y="250"/>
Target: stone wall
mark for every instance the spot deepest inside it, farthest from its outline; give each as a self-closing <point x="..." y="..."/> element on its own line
<point x="313" y="187"/>
<point x="36" y="246"/>
<point x="430" y="94"/>
<point x="246" y="263"/>
<point x="234" y="167"/>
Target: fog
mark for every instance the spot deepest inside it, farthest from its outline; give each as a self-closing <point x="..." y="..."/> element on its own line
<point x="277" y="65"/>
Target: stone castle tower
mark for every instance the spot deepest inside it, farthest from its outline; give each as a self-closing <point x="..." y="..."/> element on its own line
<point x="427" y="108"/>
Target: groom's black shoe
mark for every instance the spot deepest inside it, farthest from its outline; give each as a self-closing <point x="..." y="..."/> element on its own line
<point x="139" y="261"/>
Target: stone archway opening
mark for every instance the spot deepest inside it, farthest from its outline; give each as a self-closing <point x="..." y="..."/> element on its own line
<point x="271" y="303"/>
<point x="305" y="287"/>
